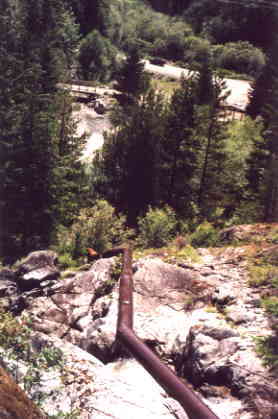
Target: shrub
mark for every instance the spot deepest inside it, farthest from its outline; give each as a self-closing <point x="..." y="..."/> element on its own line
<point x="98" y="57"/>
<point x="241" y="57"/>
<point x="267" y="348"/>
<point x="97" y="227"/>
<point x="157" y="227"/>
<point x="271" y="305"/>
<point x="204" y="236"/>
<point x="263" y="275"/>
<point x="195" y="49"/>
<point x="188" y="253"/>
<point x="66" y="261"/>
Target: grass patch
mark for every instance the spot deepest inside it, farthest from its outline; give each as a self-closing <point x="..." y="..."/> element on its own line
<point x="271" y="305"/>
<point x="171" y="254"/>
<point x="263" y="275"/>
<point x="166" y="87"/>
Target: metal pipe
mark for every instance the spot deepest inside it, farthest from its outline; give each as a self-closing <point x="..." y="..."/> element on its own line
<point x="174" y="387"/>
<point x="191" y="403"/>
<point x="125" y="314"/>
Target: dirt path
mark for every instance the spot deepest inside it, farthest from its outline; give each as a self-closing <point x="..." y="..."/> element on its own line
<point x="239" y="89"/>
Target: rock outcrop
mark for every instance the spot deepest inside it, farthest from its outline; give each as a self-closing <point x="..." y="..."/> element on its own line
<point x="200" y="318"/>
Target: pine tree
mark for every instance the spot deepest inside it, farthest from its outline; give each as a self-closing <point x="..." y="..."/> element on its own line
<point x="132" y="79"/>
<point x="180" y="148"/>
<point x="12" y="73"/>
<point x="271" y="122"/>
<point x="263" y="169"/>
<point x="128" y="166"/>
<point x="33" y="137"/>
<point x="211" y="133"/>
<point x="260" y="93"/>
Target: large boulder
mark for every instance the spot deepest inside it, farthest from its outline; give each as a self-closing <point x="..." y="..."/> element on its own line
<point x="68" y="308"/>
<point x="37" y="260"/>
<point x="220" y="358"/>
<point x="8" y="286"/>
<point x="37" y="270"/>
<point x="166" y="282"/>
<point x="161" y="293"/>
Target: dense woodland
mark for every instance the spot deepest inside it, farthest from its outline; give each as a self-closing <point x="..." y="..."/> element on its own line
<point x="170" y="161"/>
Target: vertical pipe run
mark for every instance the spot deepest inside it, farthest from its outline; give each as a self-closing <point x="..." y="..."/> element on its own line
<point x="125" y="314"/>
<point x="193" y="406"/>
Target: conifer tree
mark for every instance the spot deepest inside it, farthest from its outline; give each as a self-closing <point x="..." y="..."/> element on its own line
<point x="271" y="134"/>
<point x="128" y="165"/>
<point x="211" y="133"/>
<point x="180" y="148"/>
<point x="263" y="169"/>
<point x="33" y="143"/>
<point x="132" y="79"/>
<point x="260" y="92"/>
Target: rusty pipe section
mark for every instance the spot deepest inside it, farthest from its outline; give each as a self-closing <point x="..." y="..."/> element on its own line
<point x="193" y="406"/>
<point x="125" y="313"/>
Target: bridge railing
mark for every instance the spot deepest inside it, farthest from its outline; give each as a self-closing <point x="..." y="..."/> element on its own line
<point x="192" y="404"/>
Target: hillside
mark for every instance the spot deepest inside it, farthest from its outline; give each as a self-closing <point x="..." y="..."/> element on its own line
<point x="190" y="184"/>
<point x="205" y="312"/>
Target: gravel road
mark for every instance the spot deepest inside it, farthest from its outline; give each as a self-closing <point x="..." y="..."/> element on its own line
<point x="94" y="125"/>
<point x="238" y="88"/>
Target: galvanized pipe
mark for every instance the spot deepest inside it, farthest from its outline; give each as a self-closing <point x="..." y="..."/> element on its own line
<point x="193" y="406"/>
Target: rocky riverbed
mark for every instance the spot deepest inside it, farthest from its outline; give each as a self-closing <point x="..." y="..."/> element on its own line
<point x="202" y="319"/>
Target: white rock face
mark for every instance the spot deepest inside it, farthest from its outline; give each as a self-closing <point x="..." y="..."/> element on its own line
<point x="211" y="344"/>
<point x="125" y="388"/>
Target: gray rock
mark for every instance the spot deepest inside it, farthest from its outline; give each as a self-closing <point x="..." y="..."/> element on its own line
<point x="223" y="295"/>
<point x="8" y="289"/>
<point x="125" y="389"/>
<point x="218" y="333"/>
<point x="238" y="315"/>
<point x="8" y="286"/>
<point x="206" y="359"/>
<point x="41" y="277"/>
<point x="37" y="260"/>
<point x="7" y="274"/>
<point x="70" y="310"/>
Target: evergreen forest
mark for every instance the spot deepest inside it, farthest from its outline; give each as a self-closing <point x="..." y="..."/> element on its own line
<point x="172" y="161"/>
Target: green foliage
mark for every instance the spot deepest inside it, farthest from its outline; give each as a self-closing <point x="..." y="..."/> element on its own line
<point x="204" y="236"/>
<point x="98" y="227"/>
<point x="188" y="253"/>
<point x="242" y="139"/>
<point x="157" y="227"/>
<point x="232" y="21"/>
<point x="271" y="305"/>
<point x="74" y="414"/>
<point x="180" y="150"/>
<point x="241" y="57"/>
<point x="98" y="57"/>
<point x="37" y="142"/>
<point x="244" y="212"/>
<point x="131" y="78"/>
<point x="154" y="33"/>
<point x="261" y="275"/>
<point x="266" y="347"/>
<point x="195" y="50"/>
<point x="66" y="261"/>
<point x="15" y="337"/>
<point x="127" y="167"/>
